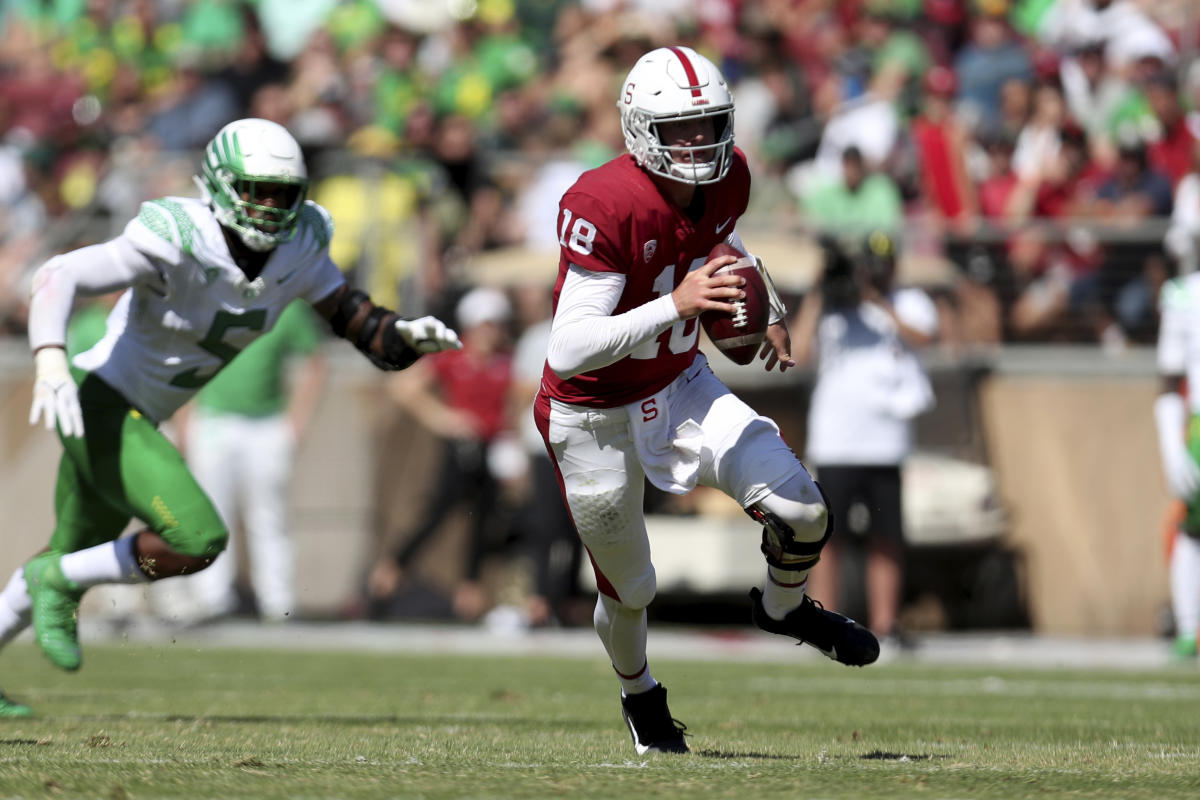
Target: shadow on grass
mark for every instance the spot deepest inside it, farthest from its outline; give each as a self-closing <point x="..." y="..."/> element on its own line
<point x="763" y="756"/>
<point x="18" y="741"/>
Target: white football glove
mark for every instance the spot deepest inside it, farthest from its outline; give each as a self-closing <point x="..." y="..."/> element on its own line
<point x="1183" y="474"/>
<point x="55" y="395"/>
<point x="428" y="335"/>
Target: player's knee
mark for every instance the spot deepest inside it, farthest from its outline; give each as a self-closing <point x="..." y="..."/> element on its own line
<point x="206" y="540"/>
<point x="634" y="595"/>
<point x="794" y="531"/>
<point x="808" y="521"/>
<point x="641" y="594"/>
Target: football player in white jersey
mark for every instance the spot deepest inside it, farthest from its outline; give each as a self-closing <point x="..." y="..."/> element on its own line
<point x="1177" y="417"/>
<point x="202" y="278"/>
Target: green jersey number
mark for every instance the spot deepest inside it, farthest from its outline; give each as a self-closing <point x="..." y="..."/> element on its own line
<point x="214" y="342"/>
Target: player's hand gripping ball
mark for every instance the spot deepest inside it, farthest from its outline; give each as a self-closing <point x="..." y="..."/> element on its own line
<point x="739" y="335"/>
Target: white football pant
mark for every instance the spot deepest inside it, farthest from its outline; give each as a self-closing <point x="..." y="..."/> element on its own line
<point x="741" y="454"/>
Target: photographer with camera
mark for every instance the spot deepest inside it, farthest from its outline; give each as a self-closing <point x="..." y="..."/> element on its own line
<point x="864" y="334"/>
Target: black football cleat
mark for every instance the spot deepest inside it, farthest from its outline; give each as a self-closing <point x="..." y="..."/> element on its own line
<point x="835" y="635"/>
<point x="650" y="723"/>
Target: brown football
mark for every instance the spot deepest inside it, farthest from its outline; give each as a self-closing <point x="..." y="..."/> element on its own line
<point x="739" y="335"/>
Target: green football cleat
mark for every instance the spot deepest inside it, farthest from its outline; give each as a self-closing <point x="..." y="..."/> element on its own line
<point x="1184" y="649"/>
<point x="11" y="708"/>
<point x="55" y="610"/>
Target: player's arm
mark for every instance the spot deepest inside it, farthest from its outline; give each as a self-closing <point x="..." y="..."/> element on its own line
<point x="777" y="345"/>
<point x="1170" y="408"/>
<point x="416" y="392"/>
<point x="1170" y="420"/>
<point x="93" y="270"/>
<point x="383" y="336"/>
<point x="585" y="334"/>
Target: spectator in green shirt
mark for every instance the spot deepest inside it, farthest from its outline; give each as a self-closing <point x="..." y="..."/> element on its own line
<point x="858" y="201"/>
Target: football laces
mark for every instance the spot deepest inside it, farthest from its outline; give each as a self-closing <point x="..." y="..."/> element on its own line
<point x="739" y="314"/>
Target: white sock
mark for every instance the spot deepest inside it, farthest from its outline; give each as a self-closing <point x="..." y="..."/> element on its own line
<point x="111" y="562"/>
<point x="623" y="633"/>
<point x="1185" y="584"/>
<point x="14" y="607"/>
<point x="784" y="591"/>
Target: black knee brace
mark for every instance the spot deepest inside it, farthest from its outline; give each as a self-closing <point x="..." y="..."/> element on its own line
<point x="779" y="544"/>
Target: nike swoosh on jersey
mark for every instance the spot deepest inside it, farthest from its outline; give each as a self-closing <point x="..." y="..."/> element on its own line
<point x="287" y="276"/>
<point x="721" y="227"/>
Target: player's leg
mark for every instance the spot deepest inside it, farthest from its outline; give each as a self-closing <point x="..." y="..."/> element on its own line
<point x="269" y="473"/>
<point x="885" y="549"/>
<point x="603" y="486"/>
<point x="745" y="457"/>
<point x="1185" y="580"/>
<point x="14" y="618"/>
<point x="1185" y="593"/>
<point x="128" y="464"/>
<point x="13" y="708"/>
<point x="839" y="484"/>
<point x="1185" y="567"/>
<point x="15" y="607"/>
<point x="86" y="529"/>
<point x="219" y="463"/>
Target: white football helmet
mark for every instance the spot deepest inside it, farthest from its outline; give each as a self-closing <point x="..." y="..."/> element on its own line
<point x="254" y="178"/>
<point x="668" y="85"/>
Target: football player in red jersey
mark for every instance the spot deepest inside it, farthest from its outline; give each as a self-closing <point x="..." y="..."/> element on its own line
<point x="626" y="394"/>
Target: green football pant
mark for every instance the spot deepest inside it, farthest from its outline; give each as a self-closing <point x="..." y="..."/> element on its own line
<point x="122" y="468"/>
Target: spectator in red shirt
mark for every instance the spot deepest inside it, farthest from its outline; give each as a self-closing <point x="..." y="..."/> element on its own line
<point x="996" y="190"/>
<point x="463" y="400"/>
<point x="1171" y="153"/>
<point x="940" y="139"/>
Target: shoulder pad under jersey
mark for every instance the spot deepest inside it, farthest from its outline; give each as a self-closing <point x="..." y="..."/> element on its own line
<point x="314" y="228"/>
<point x="165" y="223"/>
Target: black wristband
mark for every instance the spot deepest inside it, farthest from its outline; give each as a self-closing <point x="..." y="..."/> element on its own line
<point x="370" y="326"/>
<point x="347" y="307"/>
<point x="396" y="352"/>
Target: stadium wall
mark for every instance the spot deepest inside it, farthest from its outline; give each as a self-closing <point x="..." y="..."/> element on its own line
<point x="1073" y="453"/>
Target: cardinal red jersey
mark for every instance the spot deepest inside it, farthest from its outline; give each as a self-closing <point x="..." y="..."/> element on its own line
<point x="614" y="219"/>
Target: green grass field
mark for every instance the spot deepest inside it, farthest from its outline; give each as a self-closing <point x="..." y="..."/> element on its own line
<point x="174" y="721"/>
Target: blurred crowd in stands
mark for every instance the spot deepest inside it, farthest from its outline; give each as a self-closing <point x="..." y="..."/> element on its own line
<point x="1044" y="148"/>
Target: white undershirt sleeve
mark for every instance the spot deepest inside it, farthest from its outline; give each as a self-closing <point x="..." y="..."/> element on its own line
<point x="585" y="336"/>
<point x="92" y="270"/>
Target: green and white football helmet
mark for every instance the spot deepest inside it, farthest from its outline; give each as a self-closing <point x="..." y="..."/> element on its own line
<point x="254" y="178"/>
